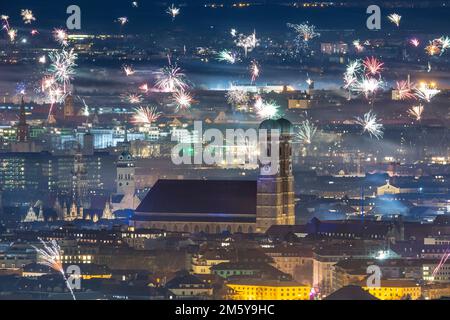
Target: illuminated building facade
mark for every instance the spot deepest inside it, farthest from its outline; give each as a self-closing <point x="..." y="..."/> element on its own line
<point x="267" y="290"/>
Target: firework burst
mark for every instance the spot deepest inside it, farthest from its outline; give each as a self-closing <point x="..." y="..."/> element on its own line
<point x="129" y="71"/>
<point x="171" y="79"/>
<point x="122" y="21"/>
<point x="369" y="123"/>
<point x="426" y="92"/>
<point x="146" y="115"/>
<point x="373" y="66"/>
<point x="416" y="112"/>
<point x="60" y="36"/>
<point x="414" y="42"/>
<point x="27" y="16"/>
<point x="306" y="132"/>
<point x="50" y="256"/>
<point x="12" y="34"/>
<point x="358" y="46"/>
<point x="144" y="88"/>
<point x="248" y="43"/>
<point x="405" y="90"/>
<point x="173" y="11"/>
<point x="132" y="98"/>
<point x="237" y="97"/>
<point x="227" y="56"/>
<point x="62" y="66"/>
<point x="305" y="31"/>
<point x="395" y="19"/>
<point x="182" y="99"/>
<point x="266" y="110"/>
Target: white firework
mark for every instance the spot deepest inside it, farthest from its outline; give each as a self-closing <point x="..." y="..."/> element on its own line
<point x="369" y="123"/>
<point x="306" y="132"/>
<point x="122" y="20"/>
<point x="182" y="99"/>
<point x="27" y="16"/>
<point x="305" y="33"/>
<point x="60" y="36"/>
<point x="171" y="79"/>
<point x="146" y="115"/>
<point x="426" y="92"/>
<point x="416" y="112"/>
<point x="62" y="66"/>
<point x="238" y="97"/>
<point x="395" y="19"/>
<point x="12" y="34"/>
<point x="173" y="11"/>
<point x="50" y="256"/>
<point x="248" y="43"/>
<point x="227" y="56"/>
<point x="266" y="110"/>
<point x="129" y="71"/>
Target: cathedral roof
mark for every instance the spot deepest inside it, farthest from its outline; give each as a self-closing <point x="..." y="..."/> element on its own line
<point x="205" y="197"/>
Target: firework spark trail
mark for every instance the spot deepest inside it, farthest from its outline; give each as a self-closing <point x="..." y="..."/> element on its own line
<point x="370" y="124"/>
<point x="27" y="16"/>
<point x="171" y="79"/>
<point x="60" y="36"/>
<point x="12" y="33"/>
<point x="173" y="11"/>
<point x="227" y="56"/>
<point x="50" y="256"/>
<point x="405" y="90"/>
<point x="145" y="115"/>
<point x="395" y="19"/>
<point x="254" y="71"/>
<point x="182" y="99"/>
<point x="5" y="20"/>
<point x="443" y="260"/>
<point x="306" y="132"/>
<point x="416" y="112"/>
<point x="266" y="110"/>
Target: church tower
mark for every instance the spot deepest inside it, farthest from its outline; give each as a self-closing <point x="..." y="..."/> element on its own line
<point x="68" y="106"/>
<point x="23" y="134"/>
<point x="275" y="203"/>
<point x="80" y="181"/>
<point x="125" y="174"/>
